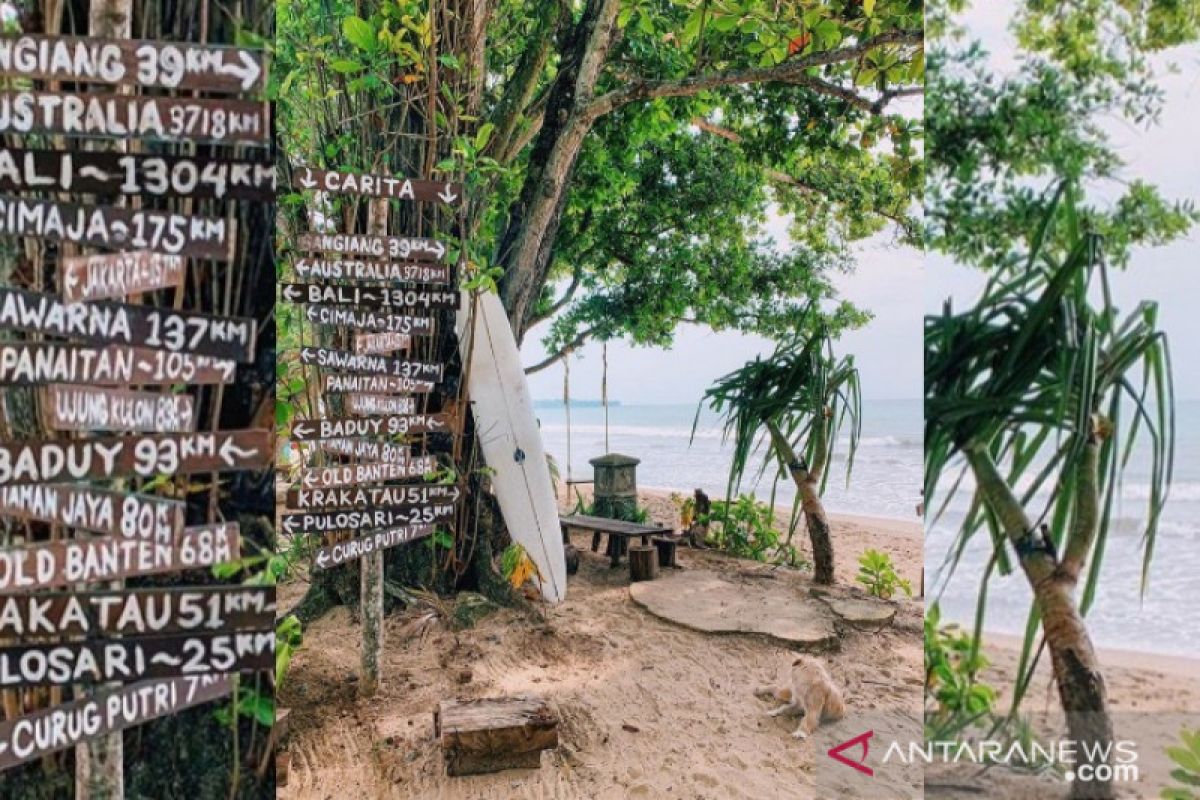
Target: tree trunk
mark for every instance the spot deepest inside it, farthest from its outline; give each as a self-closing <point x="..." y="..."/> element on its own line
<point x="1081" y="689"/>
<point x="527" y="243"/>
<point x="807" y="484"/>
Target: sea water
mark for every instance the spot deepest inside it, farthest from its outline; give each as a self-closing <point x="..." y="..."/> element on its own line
<point x="885" y="480"/>
<point x="1164" y="619"/>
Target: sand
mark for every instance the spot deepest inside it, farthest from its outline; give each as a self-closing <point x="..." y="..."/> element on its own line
<point x="648" y="708"/>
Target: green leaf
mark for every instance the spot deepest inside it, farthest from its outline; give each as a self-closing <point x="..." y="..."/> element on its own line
<point x="869" y="7"/>
<point x="484" y="135"/>
<point x="359" y="33"/>
<point x="345" y="66"/>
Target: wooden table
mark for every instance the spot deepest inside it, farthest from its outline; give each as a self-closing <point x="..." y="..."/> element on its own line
<point x="619" y="533"/>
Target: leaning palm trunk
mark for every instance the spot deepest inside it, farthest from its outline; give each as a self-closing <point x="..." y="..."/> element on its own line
<point x="1077" y="674"/>
<point x="808" y="480"/>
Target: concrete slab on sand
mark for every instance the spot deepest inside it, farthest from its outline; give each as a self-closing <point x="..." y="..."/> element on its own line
<point x="868" y="613"/>
<point x="704" y="601"/>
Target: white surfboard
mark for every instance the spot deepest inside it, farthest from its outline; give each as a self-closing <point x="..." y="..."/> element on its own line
<point x="508" y="432"/>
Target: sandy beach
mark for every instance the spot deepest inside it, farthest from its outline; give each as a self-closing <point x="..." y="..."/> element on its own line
<point x="647" y="708"/>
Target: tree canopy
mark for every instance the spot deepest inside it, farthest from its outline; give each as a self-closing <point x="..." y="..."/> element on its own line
<point x="623" y="157"/>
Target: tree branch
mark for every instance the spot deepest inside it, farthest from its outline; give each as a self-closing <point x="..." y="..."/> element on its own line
<point x="560" y="303"/>
<point x="794" y="71"/>
<point x="563" y="352"/>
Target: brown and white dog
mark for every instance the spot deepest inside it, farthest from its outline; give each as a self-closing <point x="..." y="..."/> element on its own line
<point x="809" y="691"/>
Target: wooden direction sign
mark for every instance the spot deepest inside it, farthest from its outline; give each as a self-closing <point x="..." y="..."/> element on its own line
<point x="329" y="521"/>
<point x="86" y="408"/>
<point x="90" y="508"/>
<point x="355" y="474"/>
<point x="412" y="494"/>
<point x="369" y="404"/>
<point x="339" y="270"/>
<point x="380" y="384"/>
<point x="145" y="455"/>
<point x="48" y="565"/>
<point x="111" y="227"/>
<point x="124" y="323"/>
<point x="389" y="247"/>
<point x="178" y="119"/>
<point x="341" y="427"/>
<point x="114" y="365"/>
<point x="340" y="552"/>
<point x="345" y="361"/>
<point x="110" y="711"/>
<point x="380" y="296"/>
<point x="138" y="612"/>
<point x="145" y="64"/>
<point x="136" y="659"/>
<point x="367" y="320"/>
<point x="367" y="450"/>
<point x="380" y="343"/>
<point x="376" y="186"/>
<point x="108" y="173"/>
<point x="118" y="274"/>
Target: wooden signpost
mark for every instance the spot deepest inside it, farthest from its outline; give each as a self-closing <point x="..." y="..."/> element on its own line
<point x="332" y="555"/>
<point x="145" y="456"/>
<point x="79" y="408"/>
<point x="113" y="365"/>
<point x="355" y="474"/>
<point x="136" y="174"/>
<point x="371" y="404"/>
<point x="50" y="565"/>
<point x="136" y="659"/>
<point x="109" y="711"/>
<point x="375" y="246"/>
<point x="122" y="323"/>
<point x="90" y="508"/>
<point x="138" y="612"/>
<point x="327" y="522"/>
<point x="376" y="186"/>
<point x="368" y="320"/>
<point x="338" y="269"/>
<point x="112" y="227"/>
<point x="341" y="427"/>
<point x="179" y="119"/>
<point x="178" y="645"/>
<point x="412" y="494"/>
<point x="118" y="274"/>
<point x="144" y="64"/>
<point x="345" y="361"/>
<point x="378" y="296"/>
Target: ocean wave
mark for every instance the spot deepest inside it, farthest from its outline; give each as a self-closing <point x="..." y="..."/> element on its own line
<point x="1183" y="490"/>
<point x="635" y="430"/>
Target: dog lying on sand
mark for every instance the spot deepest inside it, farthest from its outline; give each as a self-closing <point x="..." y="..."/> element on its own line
<point x="807" y="690"/>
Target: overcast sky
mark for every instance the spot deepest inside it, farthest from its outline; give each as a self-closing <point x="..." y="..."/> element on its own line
<point x="1164" y="155"/>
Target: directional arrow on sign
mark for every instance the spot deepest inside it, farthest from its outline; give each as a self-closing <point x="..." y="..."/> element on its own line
<point x="292" y="293"/>
<point x="231" y="454"/>
<point x="248" y="71"/>
<point x="447" y="196"/>
<point x="303" y="430"/>
<point x="306" y="179"/>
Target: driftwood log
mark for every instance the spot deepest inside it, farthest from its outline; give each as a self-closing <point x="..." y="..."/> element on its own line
<point x="493" y="734"/>
<point x="643" y="563"/>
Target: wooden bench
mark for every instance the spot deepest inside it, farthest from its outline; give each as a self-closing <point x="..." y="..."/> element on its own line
<point x="619" y="533"/>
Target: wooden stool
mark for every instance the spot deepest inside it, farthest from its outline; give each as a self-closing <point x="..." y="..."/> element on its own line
<point x="572" y="556"/>
<point x="666" y="551"/>
<point x="643" y="563"/>
<point x="491" y="734"/>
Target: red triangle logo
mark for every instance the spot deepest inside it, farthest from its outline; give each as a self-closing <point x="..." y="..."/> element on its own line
<point x="862" y="739"/>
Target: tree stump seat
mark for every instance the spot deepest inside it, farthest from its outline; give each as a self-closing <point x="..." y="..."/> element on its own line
<point x="667" y="547"/>
<point x="494" y="733"/>
<point x="643" y="563"/>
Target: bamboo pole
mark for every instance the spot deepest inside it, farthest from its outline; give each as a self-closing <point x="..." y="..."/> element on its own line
<point x="371" y="576"/>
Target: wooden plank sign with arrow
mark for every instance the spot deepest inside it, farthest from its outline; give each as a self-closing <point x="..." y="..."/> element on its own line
<point x="377" y="384"/>
<point x="341" y="427"/>
<point x="367" y="450"/>
<point x="145" y="456"/>
<point x="355" y="474"/>
<point x="332" y="555"/>
<point x="376" y="186"/>
<point x="87" y="408"/>
<point x="345" y="361"/>
<point x="91" y="508"/>
<point x="367" y="320"/>
<point x="96" y="277"/>
<point x="373" y="404"/>
<point x="28" y="363"/>
<point x="378" y="296"/>
<point x="144" y="64"/>
<point x="373" y="496"/>
<point x="352" y="270"/>
<point x="378" y="247"/>
<point x="329" y="521"/>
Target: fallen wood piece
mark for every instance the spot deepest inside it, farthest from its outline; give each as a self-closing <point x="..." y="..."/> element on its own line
<point x="493" y="734"/>
<point x="643" y="563"/>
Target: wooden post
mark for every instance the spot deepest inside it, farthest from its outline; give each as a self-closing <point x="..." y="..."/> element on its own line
<point x="643" y="563"/>
<point x="99" y="764"/>
<point x="371" y="599"/>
